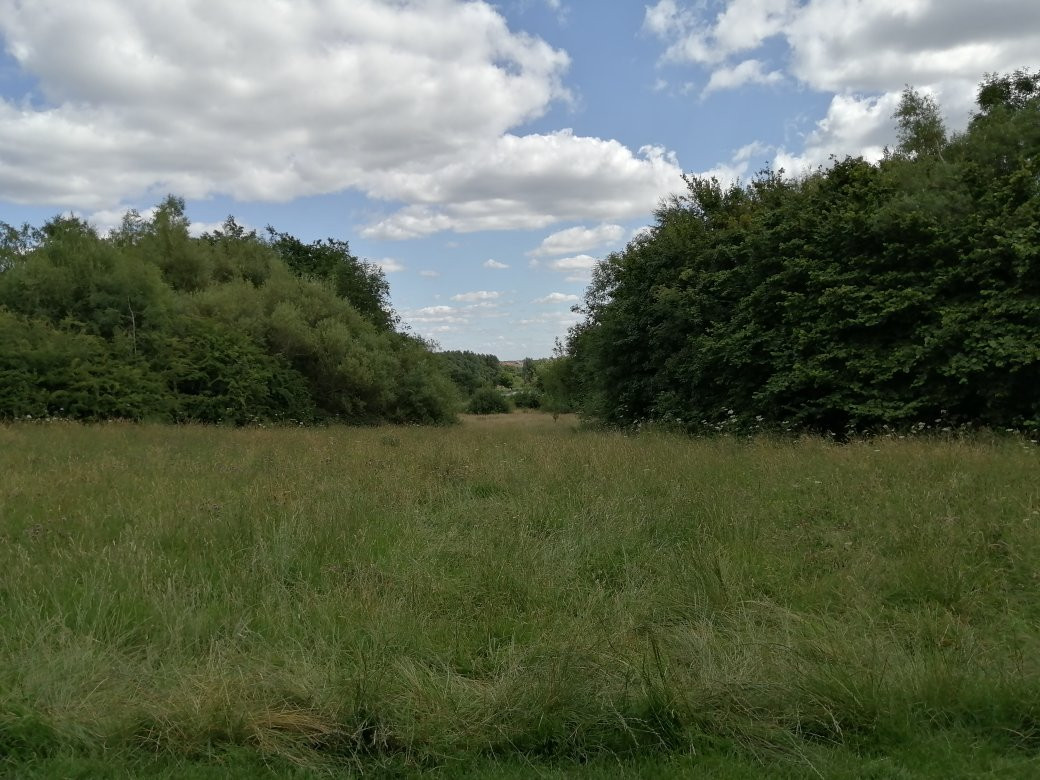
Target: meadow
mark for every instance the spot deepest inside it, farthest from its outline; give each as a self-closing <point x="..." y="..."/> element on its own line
<point x="513" y="597"/>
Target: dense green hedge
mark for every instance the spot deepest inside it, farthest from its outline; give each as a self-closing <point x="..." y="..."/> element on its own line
<point x="151" y="323"/>
<point x="489" y="400"/>
<point x="863" y="295"/>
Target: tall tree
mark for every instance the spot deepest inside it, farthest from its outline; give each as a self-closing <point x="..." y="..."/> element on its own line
<point x="919" y="124"/>
<point x="861" y="295"/>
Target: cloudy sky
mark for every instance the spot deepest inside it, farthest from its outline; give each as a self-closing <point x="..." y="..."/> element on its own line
<point x="485" y="154"/>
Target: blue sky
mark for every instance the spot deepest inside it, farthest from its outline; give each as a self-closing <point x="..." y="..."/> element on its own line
<point x="486" y="155"/>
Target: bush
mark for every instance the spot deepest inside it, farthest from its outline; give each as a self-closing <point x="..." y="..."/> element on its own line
<point x="863" y="296"/>
<point x="151" y="323"/>
<point x="527" y="399"/>
<point x="488" y="400"/>
<point x="45" y="372"/>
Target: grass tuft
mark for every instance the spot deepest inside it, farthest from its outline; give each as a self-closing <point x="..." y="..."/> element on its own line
<point x="514" y="595"/>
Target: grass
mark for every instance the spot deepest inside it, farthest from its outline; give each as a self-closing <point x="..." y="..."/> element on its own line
<point x="513" y="598"/>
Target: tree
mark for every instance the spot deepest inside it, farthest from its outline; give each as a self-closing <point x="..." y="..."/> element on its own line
<point x="150" y="322"/>
<point x="362" y="284"/>
<point x="527" y="370"/>
<point x="919" y="125"/>
<point x="859" y="296"/>
<point x="1012" y="92"/>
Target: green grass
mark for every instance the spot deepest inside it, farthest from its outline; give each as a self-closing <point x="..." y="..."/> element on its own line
<point x="513" y="598"/>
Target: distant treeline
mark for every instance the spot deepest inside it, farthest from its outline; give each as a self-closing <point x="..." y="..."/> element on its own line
<point x="149" y="322"/>
<point x="903" y="293"/>
<point x="489" y="386"/>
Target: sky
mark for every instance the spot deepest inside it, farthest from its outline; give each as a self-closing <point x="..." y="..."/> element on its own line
<point x="485" y="155"/>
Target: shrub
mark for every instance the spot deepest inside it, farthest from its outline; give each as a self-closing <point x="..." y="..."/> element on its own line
<point x="488" y="400"/>
<point x="527" y="399"/>
<point x="151" y="323"/>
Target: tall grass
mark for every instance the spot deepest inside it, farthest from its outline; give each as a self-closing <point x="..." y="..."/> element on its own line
<point x="512" y="590"/>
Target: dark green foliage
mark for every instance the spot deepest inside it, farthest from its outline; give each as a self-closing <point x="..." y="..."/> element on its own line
<point x="217" y="374"/>
<point x="45" y="372"/>
<point x="558" y="384"/>
<point x="488" y="400"/>
<point x="470" y="371"/>
<point x="865" y="295"/>
<point x="150" y="323"/>
<point x="528" y="370"/>
<point x="527" y="398"/>
<point x="362" y="284"/>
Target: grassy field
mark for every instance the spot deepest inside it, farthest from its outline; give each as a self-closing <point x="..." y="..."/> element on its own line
<point x="515" y="598"/>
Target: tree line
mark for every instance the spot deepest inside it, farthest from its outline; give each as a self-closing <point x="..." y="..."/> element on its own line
<point x="151" y="323"/>
<point x="902" y="293"/>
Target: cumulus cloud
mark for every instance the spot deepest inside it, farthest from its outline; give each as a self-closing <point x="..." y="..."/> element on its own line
<point x="853" y="125"/>
<point x="526" y="182"/>
<point x="408" y="101"/>
<point x="434" y="311"/>
<point x="429" y="316"/>
<point x="576" y="263"/>
<point x="557" y="297"/>
<point x="494" y="264"/>
<point x="554" y="318"/>
<point x="862" y="51"/>
<point x="859" y="45"/>
<point x="479" y="295"/>
<point x="389" y="265"/>
<point x="578" y="239"/>
<point x="747" y="72"/>
<point x="578" y="268"/>
<point x="739" y="165"/>
<point x="440" y="319"/>
<point x="742" y="25"/>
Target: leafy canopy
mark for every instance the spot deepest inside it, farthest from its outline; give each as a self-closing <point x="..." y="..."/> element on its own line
<point x="898" y="293"/>
<point x="152" y="323"/>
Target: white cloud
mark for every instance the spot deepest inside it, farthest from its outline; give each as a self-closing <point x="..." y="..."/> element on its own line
<point x="439" y="319"/>
<point x="412" y="102"/>
<point x="525" y="182"/>
<point x="743" y="25"/>
<point x="105" y="220"/>
<point x="434" y="315"/>
<point x="747" y="72"/>
<point x="578" y="239"/>
<point x="853" y="125"/>
<point x="860" y="45"/>
<point x="862" y="51"/>
<point x="578" y="269"/>
<point x="739" y="165"/>
<point x="576" y="263"/>
<point x="429" y="274"/>
<point x="557" y="297"/>
<point x="389" y="265"/>
<point x="435" y="311"/>
<point x="479" y="295"/>
<point x="555" y="318"/>
<point x="484" y="309"/>
<point x="495" y="264"/>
